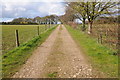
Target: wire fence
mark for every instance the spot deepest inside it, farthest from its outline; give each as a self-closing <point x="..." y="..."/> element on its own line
<point x="106" y="34"/>
<point x="15" y="35"/>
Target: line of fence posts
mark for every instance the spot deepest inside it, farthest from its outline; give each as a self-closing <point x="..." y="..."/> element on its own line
<point x="47" y="26"/>
<point x="17" y="34"/>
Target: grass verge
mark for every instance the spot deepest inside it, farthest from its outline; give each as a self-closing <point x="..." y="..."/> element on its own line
<point x="52" y="75"/>
<point x="101" y="57"/>
<point x="13" y="60"/>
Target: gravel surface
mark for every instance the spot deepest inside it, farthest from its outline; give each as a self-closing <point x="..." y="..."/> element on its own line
<point x="58" y="57"/>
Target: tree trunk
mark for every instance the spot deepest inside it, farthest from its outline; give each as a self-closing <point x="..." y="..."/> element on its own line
<point x="90" y="27"/>
<point x="83" y="26"/>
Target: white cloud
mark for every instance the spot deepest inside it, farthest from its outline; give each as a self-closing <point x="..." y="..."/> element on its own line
<point x="32" y="0"/>
<point x="8" y="7"/>
<point x="21" y="9"/>
<point x="31" y="9"/>
<point x="6" y="19"/>
<point x="57" y="9"/>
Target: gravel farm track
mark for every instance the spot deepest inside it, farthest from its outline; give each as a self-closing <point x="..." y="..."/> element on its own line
<point x="60" y="57"/>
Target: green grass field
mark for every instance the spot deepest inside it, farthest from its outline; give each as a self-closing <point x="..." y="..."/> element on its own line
<point x="13" y="60"/>
<point x="101" y="57"/>
<point x="26" y="33"/>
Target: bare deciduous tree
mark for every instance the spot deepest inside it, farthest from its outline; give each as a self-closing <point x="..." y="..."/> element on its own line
<point x="96" y="9"/>
<point x="91" y="10"/>
<point x="78" y="8"/>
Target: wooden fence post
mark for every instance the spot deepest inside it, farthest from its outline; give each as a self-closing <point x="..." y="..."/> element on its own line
<point x="38" y="30"/>
<point x="46" y="27"/>
<point x="101" y="38"/>
<point x="50" y="23"/>
<point x="98" y="38"/>
<point x="49" y="26"/>
<point x="17" y="38"/>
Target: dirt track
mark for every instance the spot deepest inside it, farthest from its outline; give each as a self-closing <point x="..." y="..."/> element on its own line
<point x="59" y="56"/>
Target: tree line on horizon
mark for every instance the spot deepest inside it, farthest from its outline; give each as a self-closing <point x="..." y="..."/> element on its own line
<point x="52" y="19"/>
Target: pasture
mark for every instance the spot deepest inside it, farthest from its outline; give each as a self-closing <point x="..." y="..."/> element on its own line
<point x="26" y="33"/>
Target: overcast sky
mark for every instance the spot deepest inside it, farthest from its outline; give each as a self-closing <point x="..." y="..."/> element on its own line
<point x="11" y="9"/>
<point x="29" y="9"/>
